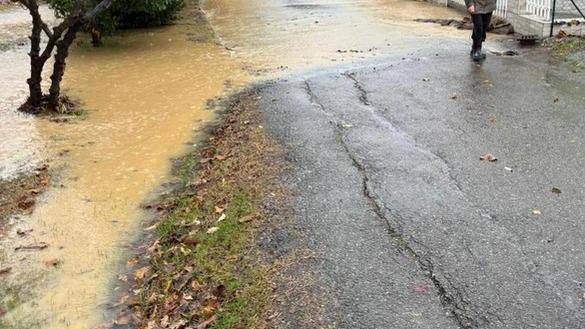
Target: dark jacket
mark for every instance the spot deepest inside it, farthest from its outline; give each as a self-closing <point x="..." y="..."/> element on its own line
<point x="482" y="6"/>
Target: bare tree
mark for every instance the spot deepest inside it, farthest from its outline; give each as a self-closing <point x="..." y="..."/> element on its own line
<point x="60" y="38"/>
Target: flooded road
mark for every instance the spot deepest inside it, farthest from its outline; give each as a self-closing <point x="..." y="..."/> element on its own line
<point x="145" y="96"/>
<point x="294" y="36"/>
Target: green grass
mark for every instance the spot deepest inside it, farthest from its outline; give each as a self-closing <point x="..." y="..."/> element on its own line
<point x="570" y="45"/>
<point x="221" y="258"/>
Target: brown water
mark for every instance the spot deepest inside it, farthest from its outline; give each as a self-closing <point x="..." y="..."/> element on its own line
<point x="293" y="36"/>
<point x="145" y="96"/>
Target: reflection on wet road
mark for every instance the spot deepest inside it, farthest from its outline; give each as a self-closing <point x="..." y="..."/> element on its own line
<point x="145" y="95"/>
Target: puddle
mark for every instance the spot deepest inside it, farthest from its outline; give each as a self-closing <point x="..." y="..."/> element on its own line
<point x="145" y="94"/>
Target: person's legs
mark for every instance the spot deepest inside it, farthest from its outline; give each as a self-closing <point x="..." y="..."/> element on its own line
<point x="478" y="31"/>
<point x="481" y="23"/>
<point x="486" y="19"/>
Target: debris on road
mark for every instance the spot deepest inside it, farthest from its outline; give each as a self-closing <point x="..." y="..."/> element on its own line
<point x="38" y="246"/>
<point x="488" y="157"/>
<point x="6" y="270"/>
<point x="422" y="288"/>
<point x="52" y="263"/>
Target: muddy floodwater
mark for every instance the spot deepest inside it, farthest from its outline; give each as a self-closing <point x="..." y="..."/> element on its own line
<point x="145" y="96"/>
<point x="279" y="36"/>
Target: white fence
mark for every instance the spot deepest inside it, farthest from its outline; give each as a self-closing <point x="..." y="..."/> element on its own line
<point x="502" y="8"/>
<point x="540" y="8"/>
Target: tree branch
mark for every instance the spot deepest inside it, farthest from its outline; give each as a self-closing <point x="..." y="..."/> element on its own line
<point x="105" y="4"/>
<point x="54" y="38"/>
<point x="47" y="30"/>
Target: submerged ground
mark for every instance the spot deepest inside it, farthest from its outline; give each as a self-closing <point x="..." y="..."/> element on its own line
<point x="382" y="120"/>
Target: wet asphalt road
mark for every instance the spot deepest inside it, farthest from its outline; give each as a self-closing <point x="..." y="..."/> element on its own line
<point x="410" y="228"/>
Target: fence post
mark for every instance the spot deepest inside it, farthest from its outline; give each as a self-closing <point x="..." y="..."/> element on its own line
<point x="552" y="19"/>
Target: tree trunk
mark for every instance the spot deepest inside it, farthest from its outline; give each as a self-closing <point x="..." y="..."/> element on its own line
<point x="36" y="66"/>
<point x="61" y="55"/>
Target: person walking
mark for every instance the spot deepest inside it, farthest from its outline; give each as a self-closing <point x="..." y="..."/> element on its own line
<point x="481" y="16"/>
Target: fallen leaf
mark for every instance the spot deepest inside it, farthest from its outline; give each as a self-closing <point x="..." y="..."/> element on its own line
<point x="453" y="96"/>
<point x="23" y="232"/>
<point x="164" y="322"/>
<point x="38" y="246"/>
<point x="219" y="210"/>
<point x="488" y="157"/>
<point x="556" y="190"/>
<point x="221" y="218"/>
<point x="190" y="240"/>
<point x="492" y="119"/>
<point x="556" y="100"/>
<point x="207" y="322"/>
<point x="220" y="157"/>
<point x="536" y="212"/>
<point x="5" y="270"/>
<point x="246" y="219"/>
<point x="208" y="311"/>
<point x="52" y="262"/>
<point x="133" y="261"/>
<point x="122" y="320"/>
<point x="421" y="288"/>
<point x="26" y="202"/>
<point x="212" y="230"/>
<point x="140" y="274"/>
<point x="150" y="228"/>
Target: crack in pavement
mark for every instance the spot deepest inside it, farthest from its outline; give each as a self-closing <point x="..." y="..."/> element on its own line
<point x="364" y="99"/>
<point x="451" y="298"/>
<point x="363" y="94"/>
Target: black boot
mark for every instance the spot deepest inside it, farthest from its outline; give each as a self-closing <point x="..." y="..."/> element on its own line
<point x="477" y="55"/>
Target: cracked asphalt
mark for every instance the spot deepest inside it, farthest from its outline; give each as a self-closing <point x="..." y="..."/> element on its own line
<point x="410" y="228"/>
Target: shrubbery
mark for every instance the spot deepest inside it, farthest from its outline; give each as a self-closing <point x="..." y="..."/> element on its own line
<point x="126" y="13"/>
